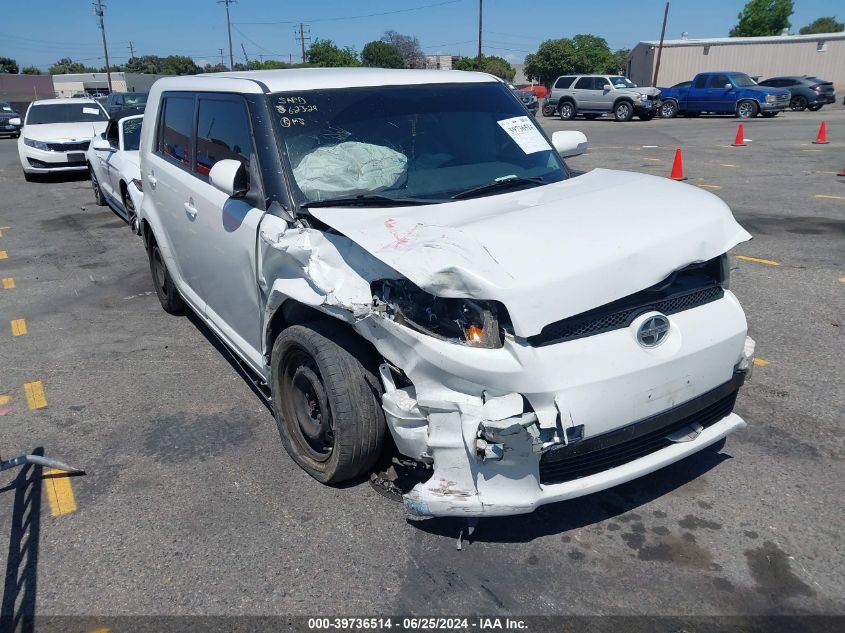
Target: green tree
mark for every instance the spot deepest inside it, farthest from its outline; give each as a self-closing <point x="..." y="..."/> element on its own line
<point x="619" y="58"/>
<point x="178" y="65"/>
<point x="148" y="64"/>
<point x="214" y="68"/>
<point x="30" y="70"/>
<point x="326" y="53"/>
<point x="8" y="65"/>
<point x="490" y="64"/>
<point x="763" y="17"/>
<point x="270" y="64"/>
<point x="409" y="47"/>
<point x="552" y="59"/>
<point x="66" y="66"/>
<point x="378" y="54"/>
<point x="823" y="25"/>
<point x="592" y="54"/>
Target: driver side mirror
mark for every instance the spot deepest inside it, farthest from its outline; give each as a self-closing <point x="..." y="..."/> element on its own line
<point x="606" y="87"/>
<point x="728" y="86"/>
<point x="569" y="143"/>
<point x="15" y="121"/>
<point x="100" y="144"/>
<point x="230" y="177"/>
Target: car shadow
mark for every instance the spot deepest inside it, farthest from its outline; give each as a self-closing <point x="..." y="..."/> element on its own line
<point x="66" y="176"/>
<point x="17" y="612"/>
<point x="573" y="514"/>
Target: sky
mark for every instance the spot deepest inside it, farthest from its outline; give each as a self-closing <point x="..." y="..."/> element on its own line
<point x="39" y="32"/>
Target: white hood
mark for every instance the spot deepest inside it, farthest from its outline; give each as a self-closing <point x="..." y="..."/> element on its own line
<point x="81" y="131"/>
<point x="549" y="252"/>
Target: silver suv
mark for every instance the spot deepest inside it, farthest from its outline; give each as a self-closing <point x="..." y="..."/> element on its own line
<point x="594" y="95"/>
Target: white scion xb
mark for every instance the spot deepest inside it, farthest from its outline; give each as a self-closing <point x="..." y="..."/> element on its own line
<point x="402" y="261"/>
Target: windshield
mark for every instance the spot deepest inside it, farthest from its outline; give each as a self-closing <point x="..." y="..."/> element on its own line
<point x="622" y="82"/>
<point x="65" y="113"/>
<point x="132" y="134"/>
<point x="420" y="141"/>
<point x="742" y="81"/>
<point x="135" y="98"/>
<point x="5" y="107"/>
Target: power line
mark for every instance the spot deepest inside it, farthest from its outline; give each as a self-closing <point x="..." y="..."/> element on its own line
<point x="229" y="29"/>
<point x="361" y="16"/>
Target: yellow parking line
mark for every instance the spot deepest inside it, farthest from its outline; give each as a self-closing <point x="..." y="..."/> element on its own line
<point x="726" y="165"/>
<point x="59" y="492"/>
<point x="4" y="255"/>
<point x="711" y="186"/>
<point x="842" y="279"/>
<point x="759" y="362"/>
<point x="824" y="197"/>
<point x="768" y="262"/>
<point x="8" y="283"/>
<point x="657" y="160"/>
<point x="5" y="400"/>
<point x="18" y="327"/>
<point x="35" y="397"/>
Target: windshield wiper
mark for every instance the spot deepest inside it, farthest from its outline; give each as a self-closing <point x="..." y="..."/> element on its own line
<point x="505" y="182"/>
<point x="371" y="200"/>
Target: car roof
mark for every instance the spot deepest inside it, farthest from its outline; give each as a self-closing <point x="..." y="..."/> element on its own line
<point x="293" y="79"/>
<point x="68" y="100"/>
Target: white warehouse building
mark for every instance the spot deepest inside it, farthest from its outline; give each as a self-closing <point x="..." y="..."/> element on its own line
<point x="820" y="55"/>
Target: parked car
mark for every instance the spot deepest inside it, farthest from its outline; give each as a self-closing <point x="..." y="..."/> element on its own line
<point x="594" y="95"/>
<point x="805" y="92"/>
<point x="115" y="169"/>
<point x="10" y="120"/>
<point x="529" y="99"/>
<point x="404" y="252"/>
<point x="121" y="101"/>
<point x="56" y="134"/>
<point x="723" y="93"/>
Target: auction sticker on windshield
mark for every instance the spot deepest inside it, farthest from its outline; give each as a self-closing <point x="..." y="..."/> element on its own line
<point x="525" y="134"/>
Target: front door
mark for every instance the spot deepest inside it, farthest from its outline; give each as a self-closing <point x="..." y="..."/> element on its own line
<point x="723" y="99"/>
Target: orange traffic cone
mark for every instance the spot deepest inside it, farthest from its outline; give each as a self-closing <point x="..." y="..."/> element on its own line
<point x="821" y="137"/>
<point x="678" y="167"/>
<point x="841" y="173"/>
<point x="739" y="141"/>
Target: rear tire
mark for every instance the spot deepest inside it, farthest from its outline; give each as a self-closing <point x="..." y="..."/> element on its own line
<point x="623" y="111"/>
<point x="798" y="103"/>
<point x="168" y="295"/>
<point x="327" y="403"/>
<point x="567" y="111"/>
<point x="746" y="109"/>
<point x="548" y="110"/>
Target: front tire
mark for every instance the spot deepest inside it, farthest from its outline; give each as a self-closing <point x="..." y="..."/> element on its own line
<point x="131" y="212"/>
<point x="669" y="109"/>
<point x="99" y="197"/>
<point x="168" y="295"/>
<point x="798" y="103"/>
<point x="623" y="111"/>
<point x="548" y="110"/>
<point x="567" y="111"/>
<point x="327" y="403"/>
<point x="746" y="109"/>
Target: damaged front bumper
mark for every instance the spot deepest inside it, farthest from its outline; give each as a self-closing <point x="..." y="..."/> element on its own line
<point x="509" y="430"/>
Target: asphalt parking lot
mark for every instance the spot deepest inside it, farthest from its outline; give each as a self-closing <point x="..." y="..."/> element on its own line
<point x="190" y="505"/>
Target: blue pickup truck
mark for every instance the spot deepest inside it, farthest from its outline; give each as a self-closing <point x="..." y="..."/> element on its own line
<point x="723" y="93"/>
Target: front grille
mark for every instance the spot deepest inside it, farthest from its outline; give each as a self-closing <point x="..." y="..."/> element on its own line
<point x="612" y="449"/>
<point x="683" y="290"/>
<point x="40" y="164"/>
<point x="70" y="146"/>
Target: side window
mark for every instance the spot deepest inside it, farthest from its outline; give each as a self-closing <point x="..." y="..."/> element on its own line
<point x="564" y="82"/>
<point x="584" y="83"/>
<point x="174" y="136"/>
<point x="700" y="81"/>
<point x="601" y="82"/>
<point x="719" y="81"/>
<point x="222" y="132"/>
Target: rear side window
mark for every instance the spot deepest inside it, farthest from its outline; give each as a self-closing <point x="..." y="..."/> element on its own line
<point x="174" y="137"/>
<point x="564" y="82"/>
<point x="222" y="132"/>
<point x="700" y="81"/>
<point x="585" y="83"/>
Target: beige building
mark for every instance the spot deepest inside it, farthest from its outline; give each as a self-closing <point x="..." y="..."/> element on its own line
<point x="95" y="84"/>
<point x="821" y="55"/>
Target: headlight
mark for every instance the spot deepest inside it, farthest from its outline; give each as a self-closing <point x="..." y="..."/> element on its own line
<point x="771" y="98"/>
<point x="36" y="144"/>
<point x="463" y="321"/>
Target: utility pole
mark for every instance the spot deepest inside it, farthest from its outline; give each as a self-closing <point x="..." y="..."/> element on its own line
<point x="98" y="11"/>
<point x="131" y="50"/>
<point x="302" y="39"/>
<point x="222" y="63"/>
<point x="245" y="56"/>
<point x="480" y="19"/>
<point x="660" y="46"/>
<point x="229" y="28"/>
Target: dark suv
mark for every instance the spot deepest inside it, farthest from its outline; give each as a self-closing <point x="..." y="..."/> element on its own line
<point x="808" y="93"/>
<point x="134" y="101"/>
<point x="7" y="114"/>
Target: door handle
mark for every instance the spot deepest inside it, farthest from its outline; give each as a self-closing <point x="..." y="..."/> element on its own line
<point x="190" y="209"/>
<point x="152" y="180"/>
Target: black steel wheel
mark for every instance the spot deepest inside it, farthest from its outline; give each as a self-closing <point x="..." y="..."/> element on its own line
<point x="798" y="103"/>
<point x="168" y="295"/>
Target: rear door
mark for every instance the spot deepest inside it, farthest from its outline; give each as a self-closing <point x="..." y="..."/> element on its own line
<point x="585" y="93"/>
<point x="226" y="228"/>
<point x="697" y="97"/>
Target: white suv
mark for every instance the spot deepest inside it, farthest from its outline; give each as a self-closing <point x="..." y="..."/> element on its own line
<point x="403" y="263"/>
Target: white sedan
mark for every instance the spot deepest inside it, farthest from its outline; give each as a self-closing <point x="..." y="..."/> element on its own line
<point x="115" y="171"/>
<point x="56" y="134"/>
